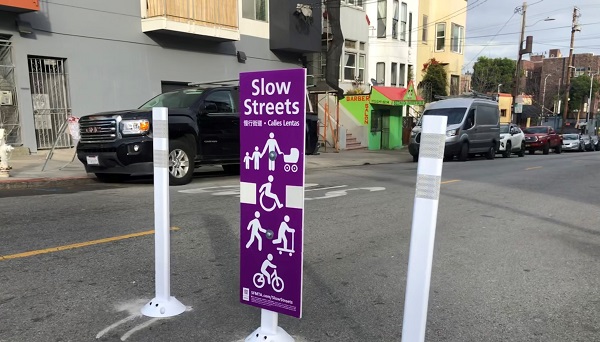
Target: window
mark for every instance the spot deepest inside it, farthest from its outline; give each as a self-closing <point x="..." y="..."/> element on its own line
<point x="349" y="66"/>
<point x="410" y="74"/>
<point x="362" y="61"/>
<point x="381" y="18"/>
<point x="458" y="36"/>
<point x="440" y="36"/>
<point x="255" y="9"/>
<point x="454" y="84"/>
<point x="395" y="19"/>
<point x="353" y="68"/>
<point x="358" y="3"/>
<point x="402" y="74"/>
<point x="380" y="73"/>
<point x="394" y="74"/>
<point x="403" y="23"/>
<point x="410" y="29"/>
<point x="503" y="112"/>
<point x="424" y="35"/>
<point x="222" y="99"/>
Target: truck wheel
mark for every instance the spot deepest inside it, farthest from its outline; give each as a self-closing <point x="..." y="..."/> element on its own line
<point x="491" y="153"/>
<point x="181" y="162"/>
<point x="111" y="177"/>
<point x="546" y="149"/>
<point x="508" y="151"/>
<point x="233" y="169"/>
<point x="558" y="149"/>
<point x="464" y="152"/>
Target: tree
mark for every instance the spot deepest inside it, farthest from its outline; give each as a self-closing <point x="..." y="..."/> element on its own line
<point x="580" y="91"/>
<point x="488" y="73"/>
<point x="434" y="81"/>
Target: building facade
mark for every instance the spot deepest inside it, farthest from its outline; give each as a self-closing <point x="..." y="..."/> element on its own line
<point x="545" y="79"/>
<point x="392" y="41"/>
<point x="59" y="60"/>
<point x="441" y="35"/>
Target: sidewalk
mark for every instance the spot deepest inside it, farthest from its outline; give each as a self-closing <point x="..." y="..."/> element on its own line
<point x="62" y="169"/>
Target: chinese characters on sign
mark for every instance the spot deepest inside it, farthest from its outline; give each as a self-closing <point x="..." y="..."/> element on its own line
<point x="272" y="138"/>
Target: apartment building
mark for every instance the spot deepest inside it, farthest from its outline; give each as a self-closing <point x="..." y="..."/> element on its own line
<point x="63" y="59"/>
<point x="392" y="41"/>
<point x="441" y="35"/>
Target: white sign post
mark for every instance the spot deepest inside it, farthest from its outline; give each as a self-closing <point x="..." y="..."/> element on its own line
<point x="429" y="175"/>
<point x="163" y="305"/>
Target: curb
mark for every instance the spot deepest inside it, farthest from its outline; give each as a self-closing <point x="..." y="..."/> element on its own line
<point x="28" y="183"/>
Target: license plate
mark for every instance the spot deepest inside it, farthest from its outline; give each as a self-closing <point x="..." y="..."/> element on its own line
<point x="92" y="160"/>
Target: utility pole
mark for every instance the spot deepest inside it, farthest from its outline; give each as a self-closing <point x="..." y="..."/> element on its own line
<point x="523" y="11"/>
<point x="544" y="97"/>
<point x="574" y="28"/>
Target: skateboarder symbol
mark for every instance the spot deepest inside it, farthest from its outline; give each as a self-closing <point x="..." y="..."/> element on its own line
<point x="272" y="278"/>
<point x="284" y="228"/>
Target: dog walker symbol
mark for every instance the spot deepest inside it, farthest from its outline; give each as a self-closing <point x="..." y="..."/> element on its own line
<point x="284" y="228"/>
<point x="272" y="278"/>
<point x="256" y="230"/>
<point x="265" y="191"/>
<point x="291" y="160"/>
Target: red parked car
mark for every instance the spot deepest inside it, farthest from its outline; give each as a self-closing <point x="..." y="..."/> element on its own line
<point x="542" y="138"/>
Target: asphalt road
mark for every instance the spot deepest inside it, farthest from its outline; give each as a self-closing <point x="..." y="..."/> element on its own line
<point x="517" y="257"/>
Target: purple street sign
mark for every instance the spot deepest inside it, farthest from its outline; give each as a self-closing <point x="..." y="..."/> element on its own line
<point x="272" y="138"/>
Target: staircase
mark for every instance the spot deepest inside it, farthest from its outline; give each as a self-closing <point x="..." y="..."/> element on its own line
<point x="352" y="143"/>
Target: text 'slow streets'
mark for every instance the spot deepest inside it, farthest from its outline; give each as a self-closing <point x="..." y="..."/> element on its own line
<point x="517" y="257"/>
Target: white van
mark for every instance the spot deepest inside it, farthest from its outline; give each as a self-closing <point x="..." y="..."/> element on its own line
<point x="473" y="127"/>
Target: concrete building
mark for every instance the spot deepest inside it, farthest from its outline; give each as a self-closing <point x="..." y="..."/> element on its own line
<point x="441" y="36"/>
<point x="62" y="59"/>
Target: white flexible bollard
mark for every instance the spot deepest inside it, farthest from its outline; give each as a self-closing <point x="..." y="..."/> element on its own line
<point x="429" y="175"/>
<point x="163" y="305"/>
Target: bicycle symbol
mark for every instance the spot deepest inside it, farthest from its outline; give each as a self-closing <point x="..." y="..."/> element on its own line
<point x="276" y="281"/>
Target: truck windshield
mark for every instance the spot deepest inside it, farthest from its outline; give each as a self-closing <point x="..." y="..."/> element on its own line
<point x="184" y="98"/>
<point x="455" y="115"/>
<point x="534" y="130"/>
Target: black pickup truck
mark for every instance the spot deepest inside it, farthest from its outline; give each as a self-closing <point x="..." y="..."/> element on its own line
<point x="203" y="130"/>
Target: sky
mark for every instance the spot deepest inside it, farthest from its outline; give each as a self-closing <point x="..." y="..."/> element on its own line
<point x="493" y="28"/>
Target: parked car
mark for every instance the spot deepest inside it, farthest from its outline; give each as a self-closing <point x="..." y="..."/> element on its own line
<point x="587" y="143"/>
<point x="573" y="142"/>
<point x="473" y="127"/>
<point x="596" y="142"/>
<point x="542" y="138"/>
<point x="512" y="140"/>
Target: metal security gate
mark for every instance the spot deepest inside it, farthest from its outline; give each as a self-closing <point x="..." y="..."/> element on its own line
<point x="50" y="97"/>
<point x="9" y="110"/>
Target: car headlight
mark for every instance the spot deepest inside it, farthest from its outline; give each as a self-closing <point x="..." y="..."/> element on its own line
<point x="135" y="126"/>
<point x="451" y="132"/>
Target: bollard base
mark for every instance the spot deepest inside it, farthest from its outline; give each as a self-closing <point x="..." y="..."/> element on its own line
<point x="163" y="308"/>
<point x="259" y="335"/>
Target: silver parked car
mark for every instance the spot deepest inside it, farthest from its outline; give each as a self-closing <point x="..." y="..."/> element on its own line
<point x="573" y="142"/>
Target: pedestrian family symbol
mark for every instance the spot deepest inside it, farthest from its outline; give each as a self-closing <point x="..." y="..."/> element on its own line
<point x="273" y="150"/>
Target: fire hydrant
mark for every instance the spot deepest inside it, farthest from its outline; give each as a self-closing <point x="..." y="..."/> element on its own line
<point x="4" y="151"/>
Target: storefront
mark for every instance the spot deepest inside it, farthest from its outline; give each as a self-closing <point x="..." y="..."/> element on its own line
<point x="388" y="107"/>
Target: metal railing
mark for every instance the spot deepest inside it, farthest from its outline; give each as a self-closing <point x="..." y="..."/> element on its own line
<point x="198" y="12"/>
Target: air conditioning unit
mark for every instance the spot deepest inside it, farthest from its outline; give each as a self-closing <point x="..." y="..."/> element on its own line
<point x="6" y="98"/>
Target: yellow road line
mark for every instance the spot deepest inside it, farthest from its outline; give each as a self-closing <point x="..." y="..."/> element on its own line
<point x="533" y="168"/>
<point x="450" y="181"/>
<point x="77" y="245"/>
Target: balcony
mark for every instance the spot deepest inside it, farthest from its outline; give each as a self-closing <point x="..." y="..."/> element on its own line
<point x="211" y="19"/>
<point x="19" y="6"/>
